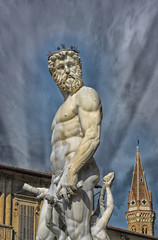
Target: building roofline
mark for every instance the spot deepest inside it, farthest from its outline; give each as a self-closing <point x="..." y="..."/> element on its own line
<point x="122" y="230"/>
<point x="25" y="171"/>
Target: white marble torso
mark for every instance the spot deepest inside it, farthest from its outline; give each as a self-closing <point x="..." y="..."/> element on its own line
<point x="67" y="132"/>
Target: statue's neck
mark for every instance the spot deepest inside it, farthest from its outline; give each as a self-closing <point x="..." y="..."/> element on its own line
<point x="66" y="95"/>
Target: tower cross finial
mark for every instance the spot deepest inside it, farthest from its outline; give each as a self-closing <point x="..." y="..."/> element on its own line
<point x="137" y="144"/>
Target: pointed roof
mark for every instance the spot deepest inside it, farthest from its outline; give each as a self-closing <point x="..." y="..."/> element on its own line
<point x="139" y="193"/>
<point x="140" y="215"/>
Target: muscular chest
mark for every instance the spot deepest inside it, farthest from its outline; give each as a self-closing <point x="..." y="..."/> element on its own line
<point x="66" y="112"/>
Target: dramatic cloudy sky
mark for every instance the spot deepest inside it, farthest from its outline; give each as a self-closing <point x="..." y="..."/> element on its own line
<point x="118" y="43"/>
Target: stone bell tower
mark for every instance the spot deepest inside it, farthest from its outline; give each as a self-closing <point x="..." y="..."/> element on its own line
<point x="140" y="215"/>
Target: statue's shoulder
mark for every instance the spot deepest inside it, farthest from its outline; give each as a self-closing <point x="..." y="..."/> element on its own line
<point x="87" y="92"/>
<point x="88" y="98"/>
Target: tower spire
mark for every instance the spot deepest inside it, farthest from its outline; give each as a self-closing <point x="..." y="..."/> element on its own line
<point x="140" y="216"/>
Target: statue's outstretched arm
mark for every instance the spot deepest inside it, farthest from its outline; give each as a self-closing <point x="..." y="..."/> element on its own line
<point x="40" y="192"/>
<point x="98" y="226"/>
<point x="106" y="214"/>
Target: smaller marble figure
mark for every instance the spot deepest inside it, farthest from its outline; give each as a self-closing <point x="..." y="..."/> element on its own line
<point x="98" y="225"/>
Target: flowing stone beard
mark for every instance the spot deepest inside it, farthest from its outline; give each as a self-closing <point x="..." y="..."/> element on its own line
<point x="71" y="82"/>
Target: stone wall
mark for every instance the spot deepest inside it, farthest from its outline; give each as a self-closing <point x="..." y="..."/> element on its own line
<point x="19" y="210"/>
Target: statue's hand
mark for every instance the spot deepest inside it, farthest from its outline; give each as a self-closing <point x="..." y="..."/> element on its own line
<point x="51" y="199"/>
<point x="67" y="185"/>
<point x="42" y="194"/>
<point x="108" y="179"/>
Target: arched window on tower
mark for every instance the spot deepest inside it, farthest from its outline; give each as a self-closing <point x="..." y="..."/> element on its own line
<point x="144" y="229"/>
<point x="141" y="179"/>
<point x="133" y="228"/>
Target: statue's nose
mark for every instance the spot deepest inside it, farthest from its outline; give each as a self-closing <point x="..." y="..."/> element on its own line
<point x="67" y="70"/>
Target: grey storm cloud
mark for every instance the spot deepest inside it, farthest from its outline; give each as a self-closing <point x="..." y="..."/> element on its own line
<point x="133" y="91"/>
<point x="118" y="46"/>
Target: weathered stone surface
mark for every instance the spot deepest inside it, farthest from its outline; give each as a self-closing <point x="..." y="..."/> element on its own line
<point x="75" y="138"/>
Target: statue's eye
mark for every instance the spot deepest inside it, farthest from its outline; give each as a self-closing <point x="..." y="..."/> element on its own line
<point x="61" y="66"/>
<point x="70" y="64"/>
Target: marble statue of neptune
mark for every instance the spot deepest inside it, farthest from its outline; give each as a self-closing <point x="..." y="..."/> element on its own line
<point x="67" y="208"/>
